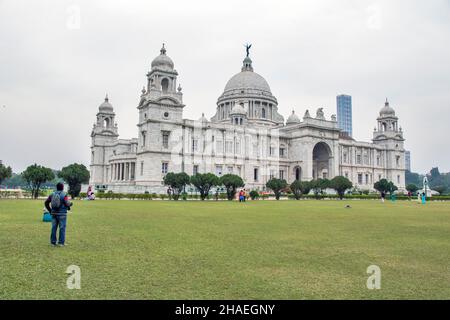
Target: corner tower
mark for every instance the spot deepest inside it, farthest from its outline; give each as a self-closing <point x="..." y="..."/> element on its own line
<point x="390" y="135"/>
<point x="104" y="134"/>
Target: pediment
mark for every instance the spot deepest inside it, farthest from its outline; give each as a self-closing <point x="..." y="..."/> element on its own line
<point x="168" y="100"/>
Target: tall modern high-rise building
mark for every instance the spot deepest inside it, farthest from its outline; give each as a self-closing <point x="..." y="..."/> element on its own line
<point x="408" y="160"/>
<point x="344" y="113"/>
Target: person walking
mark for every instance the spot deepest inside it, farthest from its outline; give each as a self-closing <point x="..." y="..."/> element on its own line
<point x="241" y="196"/>
<point x="383" y="195"/>
<point x="58" y="204"/>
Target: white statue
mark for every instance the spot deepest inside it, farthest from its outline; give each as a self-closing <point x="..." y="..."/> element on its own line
<point x="320" y="114"/>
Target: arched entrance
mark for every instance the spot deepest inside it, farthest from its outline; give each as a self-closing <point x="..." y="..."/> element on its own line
<point x="298" y="173"/>
<point x="321" y="161"/>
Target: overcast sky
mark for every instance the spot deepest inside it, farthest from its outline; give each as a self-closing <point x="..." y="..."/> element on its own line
<point x="58" y="59"/>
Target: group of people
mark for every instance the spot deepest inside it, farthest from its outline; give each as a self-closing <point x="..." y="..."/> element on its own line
<point x="242" y="195"/>
<point x="421" y="197"/>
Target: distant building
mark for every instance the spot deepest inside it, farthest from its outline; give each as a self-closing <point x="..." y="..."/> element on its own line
<point x="344" y="113"/>
<point x="408" y="160"/>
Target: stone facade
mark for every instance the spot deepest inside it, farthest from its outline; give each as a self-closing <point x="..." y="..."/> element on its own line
<point x="247" y="136"/>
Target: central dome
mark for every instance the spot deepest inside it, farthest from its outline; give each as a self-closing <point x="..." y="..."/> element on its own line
<point x="245" y="80"/>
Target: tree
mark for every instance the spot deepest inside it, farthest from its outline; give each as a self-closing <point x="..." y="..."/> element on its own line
<point x="435" y="174"/>
<point x="74" y="175"/>
<point x="412" y="188"/>
<point x="392" y="187"/>
<point x="231" y="183"/>
<point x="340" y="184"/>
<point x="381" y="186"/>
<point x="300" y="187"/>
<point x="204" y="182"/>
<point x="35" y="176"/>
<point x="177" y="181"/>
<point x="413" y="178"/>
<point x="440" y="189"/>
<point x="5" y="172"/>
<point x="318" y="186"/>
<point x="276" y="185"/>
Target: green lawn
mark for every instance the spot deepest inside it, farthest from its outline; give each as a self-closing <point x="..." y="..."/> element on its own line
<point x="221" y="250"/>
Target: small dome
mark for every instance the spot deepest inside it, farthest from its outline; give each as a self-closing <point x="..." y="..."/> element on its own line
<point x="163" y="61"/>
<point x="293" y="119"/>
<point x="238" y="109"/>
<point x="387" y="110"/>
<point x="106" y="106"/>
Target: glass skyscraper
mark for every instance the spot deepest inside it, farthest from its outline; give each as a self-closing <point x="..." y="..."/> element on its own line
<point x="408" y="160"/>
<point x="344" y="113"/>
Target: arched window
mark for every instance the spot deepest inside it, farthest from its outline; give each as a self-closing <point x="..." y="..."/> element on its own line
<point x="263" y="113"/>
<point x="298" y="173"/>
<point x="106" y="122"/>
<point x="165" y="84"/>
<point x="144" y="140"/>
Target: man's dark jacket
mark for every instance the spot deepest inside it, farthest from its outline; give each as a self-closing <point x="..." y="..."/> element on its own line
<point x="65" y="204"/>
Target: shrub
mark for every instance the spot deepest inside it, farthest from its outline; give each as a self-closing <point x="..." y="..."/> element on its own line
<point x="254" y="194"/>
<point x="300" y="187"/>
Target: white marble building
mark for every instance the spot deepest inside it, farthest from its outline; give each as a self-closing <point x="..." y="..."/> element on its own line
<point x="247" y="136"/>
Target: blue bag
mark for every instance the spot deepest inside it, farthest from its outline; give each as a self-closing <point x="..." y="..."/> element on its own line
<point x="47" y="217"/>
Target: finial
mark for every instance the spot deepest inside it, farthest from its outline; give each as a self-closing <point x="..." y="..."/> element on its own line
<point x="387" y="102"/>
<point x="307" y="115"/>
<point x="163" y="49"/>
<point x="106" y="98"/>
<point x="293" y="111"/>
<point x="179" y="88"/>
<point x="144" y="91"/>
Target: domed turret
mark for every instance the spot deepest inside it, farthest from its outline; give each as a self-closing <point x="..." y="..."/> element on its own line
<point x="163" y="62"/>
<point x="387" y="110"/>
<point x="293" y="119"/>
<point x="106" y="106"/>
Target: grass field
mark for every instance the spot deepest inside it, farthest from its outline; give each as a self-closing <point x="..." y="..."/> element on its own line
<point x="221" y="250"/>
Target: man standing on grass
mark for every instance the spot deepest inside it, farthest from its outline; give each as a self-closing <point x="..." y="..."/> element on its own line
<point x="59" y="205"/>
